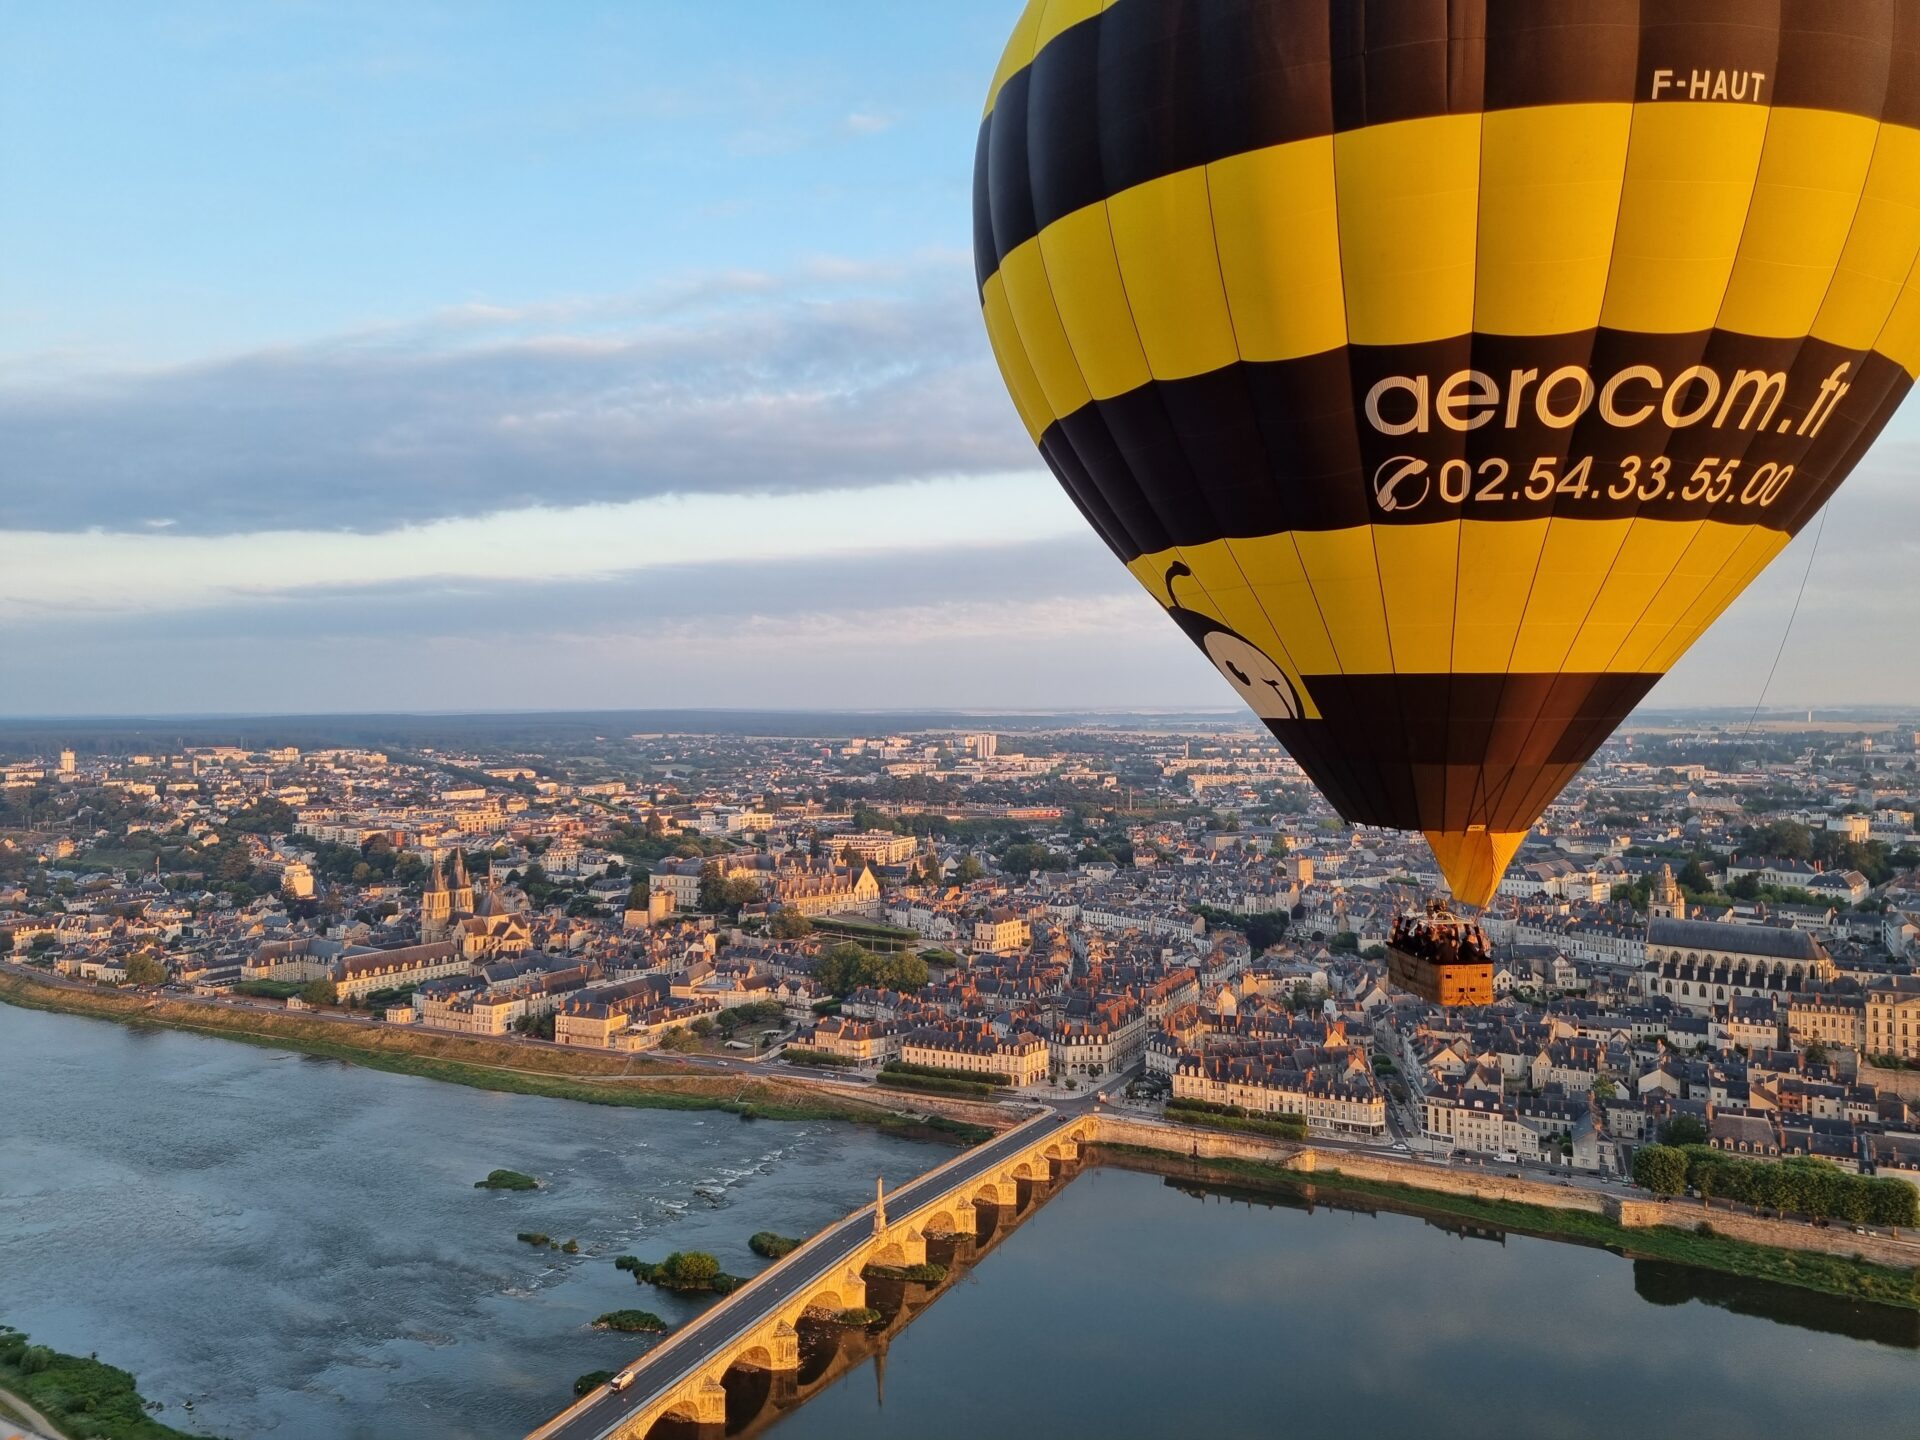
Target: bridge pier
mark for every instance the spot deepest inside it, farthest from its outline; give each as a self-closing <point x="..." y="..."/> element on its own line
<point x="905" y="1246"/>
<point x="784" y="1348"/>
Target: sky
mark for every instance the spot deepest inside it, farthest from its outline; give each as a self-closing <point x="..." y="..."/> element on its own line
<point x="495" y="356"/>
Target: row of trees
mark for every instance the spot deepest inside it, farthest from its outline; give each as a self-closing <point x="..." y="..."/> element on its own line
<point x="1795" y="841"/>
<point x="1798" y="1186"/>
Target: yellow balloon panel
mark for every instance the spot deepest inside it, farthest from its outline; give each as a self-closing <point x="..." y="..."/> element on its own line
<point x="1443" y="385"/>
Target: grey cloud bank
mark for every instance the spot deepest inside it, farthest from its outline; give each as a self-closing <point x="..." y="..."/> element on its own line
<point x="837" y="377"/>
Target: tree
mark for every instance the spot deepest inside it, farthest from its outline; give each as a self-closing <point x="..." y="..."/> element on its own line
<point x="1788" y="839"/>
<point x="718" y="896"/>
<point x="1604" y="1088"/>
<point x="320" y="992"/>
<point x="269" y="817"/>
<point x="848" y="966"/>
<point x="1683" y="1130"/>
<point x="690" y="1269"/>
<point x="1661" y="1169"/>
<point x="1266" y="931"/>
<point x="1892" y="1203"/>
<point x="1020" y="858"/>
<point x="1815" y="1053"/>
<point x="845" y="968"/>
<point x="791" y="925"/>
<point x="146" y="970"/>
<point x="901" y="972"/>
<point x="969" y="870"/>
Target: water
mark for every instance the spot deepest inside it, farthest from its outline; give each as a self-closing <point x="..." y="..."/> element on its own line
<point x="296" y="1245"/>
<point x="1127" y="1308"/>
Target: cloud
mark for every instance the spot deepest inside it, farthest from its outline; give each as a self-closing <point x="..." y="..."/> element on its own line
<point x="869" y="122"/>
<point x="832" y="376"/>
<point x="1850" y="640"/>
<point x="1051" y="622"/>
<point x="732" y="543"/>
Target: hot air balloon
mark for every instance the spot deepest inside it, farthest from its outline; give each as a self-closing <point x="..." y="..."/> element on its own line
<point x="1445" y="367"/>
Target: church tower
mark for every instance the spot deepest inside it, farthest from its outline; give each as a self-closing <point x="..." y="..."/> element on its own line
<point x="1665" y="901"/>
<point x="462" y="886"/>
<point x="436" y="905"/>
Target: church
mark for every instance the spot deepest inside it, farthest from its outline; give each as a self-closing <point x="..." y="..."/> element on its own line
<point x="1700" y="964"/>
<point x="486" y="930"/>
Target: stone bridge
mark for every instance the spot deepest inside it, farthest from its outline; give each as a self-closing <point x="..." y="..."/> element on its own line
<point x="753" y="1336"/>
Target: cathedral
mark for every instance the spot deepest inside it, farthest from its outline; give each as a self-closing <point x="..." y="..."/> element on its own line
<point x="482" y="930"/>
<point x="445" y="898"/>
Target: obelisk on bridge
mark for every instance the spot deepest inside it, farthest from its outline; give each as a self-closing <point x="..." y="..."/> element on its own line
<point x="879" y="1205"/>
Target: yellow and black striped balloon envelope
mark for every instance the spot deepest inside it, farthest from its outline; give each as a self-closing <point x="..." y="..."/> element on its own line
<point x="1444" y="367"/>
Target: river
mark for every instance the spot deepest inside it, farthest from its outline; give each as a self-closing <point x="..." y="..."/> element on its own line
<point x="296" y="1246"/>
<point x="1130" y="1309"/>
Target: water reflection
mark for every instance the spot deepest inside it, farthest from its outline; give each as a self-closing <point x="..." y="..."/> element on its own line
<point x="1661" y="1282"/>
<point x="1133" y="1306"/>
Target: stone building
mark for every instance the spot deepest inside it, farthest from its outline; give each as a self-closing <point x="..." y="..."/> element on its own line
<point x="1893" y="1017"/>
<point x="1698" y="964"/>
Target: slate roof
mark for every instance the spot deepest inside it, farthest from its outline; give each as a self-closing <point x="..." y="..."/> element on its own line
<point x="1767" y="940"/>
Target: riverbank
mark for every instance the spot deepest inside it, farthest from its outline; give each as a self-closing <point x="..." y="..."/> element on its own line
<point x="1580" y="1223"/>
<point x="640" y="1082"/>
<point x="73" y="1395"/>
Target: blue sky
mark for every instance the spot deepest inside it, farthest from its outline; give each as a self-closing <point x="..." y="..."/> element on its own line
<point x="441" y="356"/>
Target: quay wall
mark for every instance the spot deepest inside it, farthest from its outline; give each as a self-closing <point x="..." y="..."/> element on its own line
<point x="1305" y="1158"/>
<point x="1631" y="1214"/>
<point x="1904" y="1083"/>
<point x="1835" y="1239"/>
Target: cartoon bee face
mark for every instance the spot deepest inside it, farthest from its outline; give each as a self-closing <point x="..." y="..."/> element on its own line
<point x="1258" y="679"/>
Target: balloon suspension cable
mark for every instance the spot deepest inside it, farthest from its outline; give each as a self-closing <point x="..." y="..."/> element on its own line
<point x="1793" y="615"/>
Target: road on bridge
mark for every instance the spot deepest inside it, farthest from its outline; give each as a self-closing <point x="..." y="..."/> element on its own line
<point x="695" y="1344"/>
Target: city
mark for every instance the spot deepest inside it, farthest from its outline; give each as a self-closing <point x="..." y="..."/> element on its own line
<point x="1713" y="930"/>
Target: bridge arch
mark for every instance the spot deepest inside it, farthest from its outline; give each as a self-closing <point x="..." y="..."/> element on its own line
<point x="827" y="1299"/>
<point x="754" y="1357"/>
<point x="948" y="1221"/>
<point x="987" y="1192"/>
<point x="685" y="1417"/>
